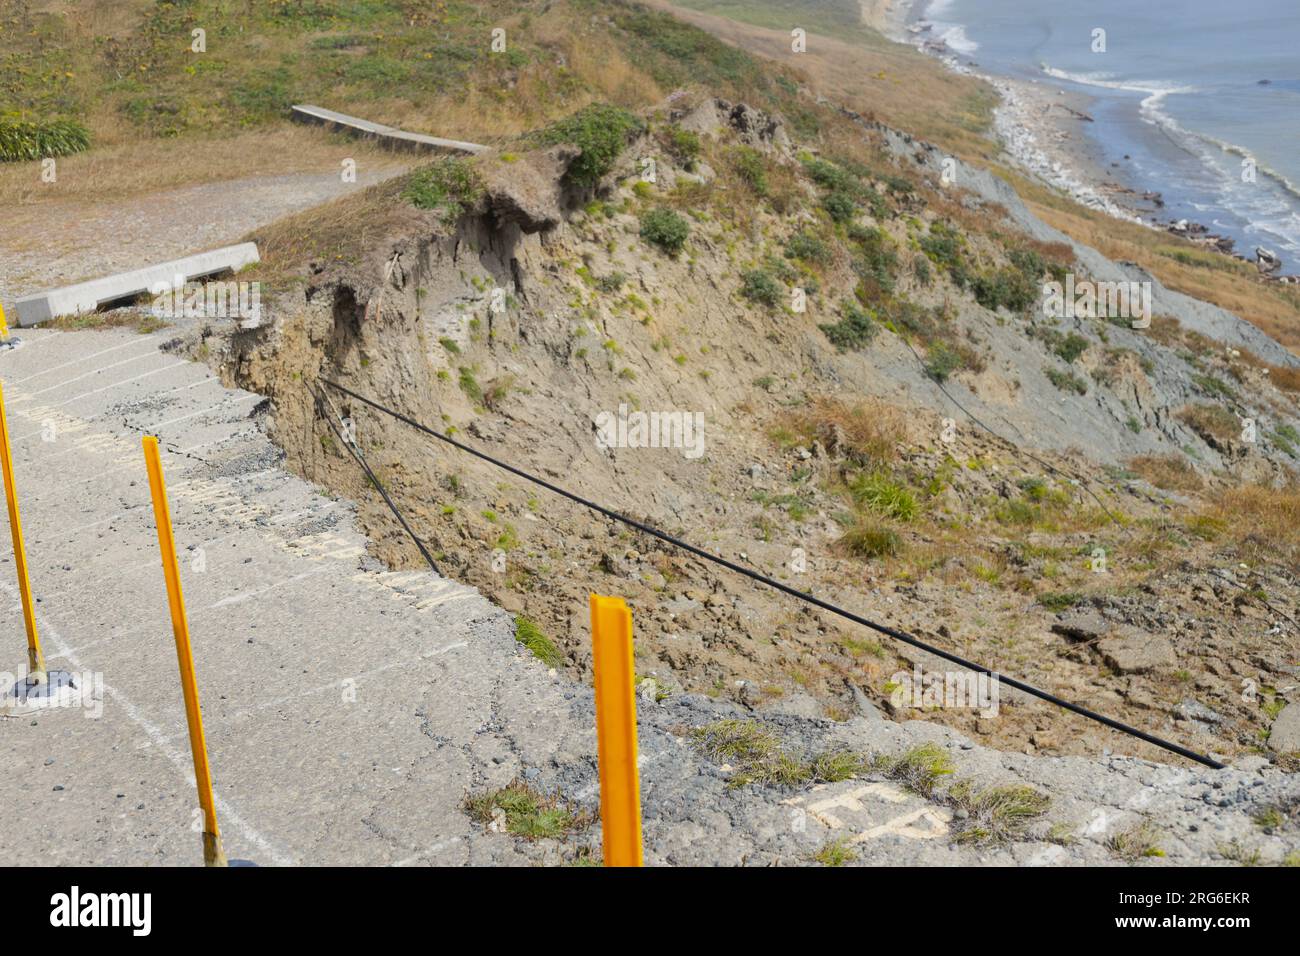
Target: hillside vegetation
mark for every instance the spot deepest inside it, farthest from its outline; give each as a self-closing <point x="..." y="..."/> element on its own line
<point x="825" y="426"/>
<point x="1071" y="500"/>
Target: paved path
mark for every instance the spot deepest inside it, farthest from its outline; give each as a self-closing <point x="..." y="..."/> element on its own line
<point x="70" y="242"/>
<point x="348" y="709"/>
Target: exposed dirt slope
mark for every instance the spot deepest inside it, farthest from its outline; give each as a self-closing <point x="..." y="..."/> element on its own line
<point x="1035" y="550"/>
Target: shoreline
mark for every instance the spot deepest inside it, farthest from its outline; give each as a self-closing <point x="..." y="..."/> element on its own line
<point x="1038" y="126"/>
<point x="1036" y="123"/>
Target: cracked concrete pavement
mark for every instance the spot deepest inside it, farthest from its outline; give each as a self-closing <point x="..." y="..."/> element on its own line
<point x="344" y="704"/>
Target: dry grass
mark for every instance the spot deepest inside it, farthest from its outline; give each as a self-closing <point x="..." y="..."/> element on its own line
<point x="149" y="166"/>
<point x="135" y="318"/>
<point x="875" y="77"/>
<point x="866" y="434"/>
<point x="1263" y="523"/>
<point x="342" y="232"/>
<point x="1170" y="472"/>
<point x="1286" y="378"/>
<point x="1214" y="423"/>
<point x="1178" y="264"/>
<point x="595" y="71"/>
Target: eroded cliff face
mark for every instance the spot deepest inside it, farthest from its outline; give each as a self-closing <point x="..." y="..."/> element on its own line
<point x="518" y="326"/>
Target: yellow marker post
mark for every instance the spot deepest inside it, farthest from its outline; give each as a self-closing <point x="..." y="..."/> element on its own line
<point x="35" y="659"/>
<point x="4" y="326"/>
<point x="212" y="852"/>
<point x="620" y="787"/>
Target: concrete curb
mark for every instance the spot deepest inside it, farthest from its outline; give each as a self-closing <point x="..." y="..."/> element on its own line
<point x="88" y="296"/>
<point x="389" y="135"/>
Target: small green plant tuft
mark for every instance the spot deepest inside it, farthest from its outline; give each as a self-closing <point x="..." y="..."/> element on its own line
<point x="22" y="140"/>
<point x="884" y="495"/>
<point x="450" y="186"/>
<point x="870" y="539"/>
<point x="759" y="757"/>
<point x="835" y="853"/>
<point x="919" y="769"/>
<point x="1136" y="843"/>
<point x="530" y="636"/>
<point x="527" y="812"/>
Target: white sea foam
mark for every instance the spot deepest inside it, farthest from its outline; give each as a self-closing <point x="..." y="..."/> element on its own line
<point x="1268" y="216"/>
<point x="954" y="35"/>
<point x="1015" y="127"/>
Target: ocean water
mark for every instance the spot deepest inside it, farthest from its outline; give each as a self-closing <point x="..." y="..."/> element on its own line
<point x="1177" y="91"/>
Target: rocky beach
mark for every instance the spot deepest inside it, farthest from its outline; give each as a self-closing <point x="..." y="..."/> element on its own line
<point x="1041" y="127"/>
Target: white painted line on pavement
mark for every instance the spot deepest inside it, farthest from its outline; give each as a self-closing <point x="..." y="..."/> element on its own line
<point x="86" y="358"/>
<point x="27" y="397"/>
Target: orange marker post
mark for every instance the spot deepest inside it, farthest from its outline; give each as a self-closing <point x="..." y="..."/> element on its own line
<point x="212" y="852"/>
<point x="620" y="786"/>
<point x="35" y="658"/>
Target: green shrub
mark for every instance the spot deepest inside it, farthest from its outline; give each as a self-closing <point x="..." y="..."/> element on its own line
<point x="855" y="329"/>
<point x="751" y="168"/>
<point x="944" y="245"/>
<point x="808" y="248"/>
<point x="600" y="131"/>
<point x="840" y="206"/>
<point x="1066" y="381"/>
<point x="1005" y="288"/>
<point x="449" y="185"/>
<point x="942" y="361"/>
<point x="757" y="285"/>
<point x="684" y="145"/>
<point x="1033" y="264"/>
<point x="884" y="495"/>
<point x="664" y="228"/>
<point x="875" y="260"/>
<point x="1071" y="347"/>
<point x="830" y="176"/>
<point x="845" y="188"/>
<point x="22" y="140"/>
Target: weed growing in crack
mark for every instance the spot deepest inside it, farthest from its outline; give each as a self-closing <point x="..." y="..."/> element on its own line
<point x="1136" y="843"/>
<point x="760" y="758"/>
<point x="543" y="648"/>
<point x="527" y="812"/>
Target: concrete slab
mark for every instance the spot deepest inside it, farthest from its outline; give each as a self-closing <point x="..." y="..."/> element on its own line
<point x="86" y="297"/>
<point x="391" y="135"/>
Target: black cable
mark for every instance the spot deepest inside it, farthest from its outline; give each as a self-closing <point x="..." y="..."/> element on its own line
<point x="374" y="479"/>
<point x="786" y="589"/>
